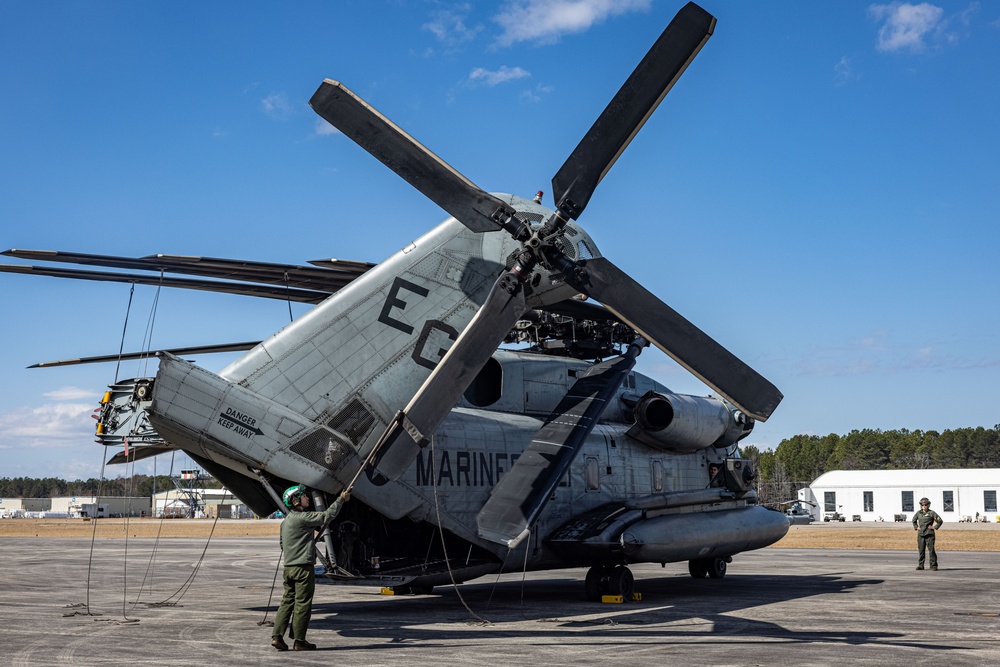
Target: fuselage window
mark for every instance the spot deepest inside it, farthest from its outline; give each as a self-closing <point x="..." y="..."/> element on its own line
<point x="593" y="474"/>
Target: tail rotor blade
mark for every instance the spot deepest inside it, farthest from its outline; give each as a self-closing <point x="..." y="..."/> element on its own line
<point x="683" y="341"/>
<point x="622" y="119"/>
<point x="418" y="166"/>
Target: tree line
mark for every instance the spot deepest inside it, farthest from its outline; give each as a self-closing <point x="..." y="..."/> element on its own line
<point x="136" y="486"/>
<point x="798" y="460"/>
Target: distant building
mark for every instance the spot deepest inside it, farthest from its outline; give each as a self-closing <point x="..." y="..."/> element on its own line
<point x="74" y="507"/>
<point x="888" y="495"/>
<point x="199" y="504"/>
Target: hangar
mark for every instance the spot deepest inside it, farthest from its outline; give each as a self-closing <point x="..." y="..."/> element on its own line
<point x="886" y="495"/>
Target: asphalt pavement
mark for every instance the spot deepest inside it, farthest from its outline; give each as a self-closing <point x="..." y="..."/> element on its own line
<point x="186" y="602"/>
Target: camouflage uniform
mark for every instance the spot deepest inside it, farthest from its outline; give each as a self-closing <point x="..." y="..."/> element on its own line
<point x="923" y="521"/>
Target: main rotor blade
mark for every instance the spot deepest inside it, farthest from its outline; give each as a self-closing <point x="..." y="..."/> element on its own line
<point x="327" y="276"/>
<point x="457" y="369"/>
<point x="151" y="354"/>
<point x="518" y="499"/>
<point x="139" y="452"/>
<point x="683" y="341"/>
<point x="221" y="286"/>
<point x="651" y="80"/>
<point x="460" y="197"/>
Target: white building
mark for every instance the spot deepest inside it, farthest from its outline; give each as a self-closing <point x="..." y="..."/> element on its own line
<point x="176" y="503"/>
<point x="74" y="507"/>
<point x="887" y="495"/>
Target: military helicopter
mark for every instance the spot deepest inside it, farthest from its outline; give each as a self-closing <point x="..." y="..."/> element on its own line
<point x="797" y="512"/>
<point x="466" y="459"/>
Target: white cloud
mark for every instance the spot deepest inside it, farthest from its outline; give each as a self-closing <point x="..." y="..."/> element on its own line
<point x="324" y="129"/>
<point x="276" y="106"/>
<point x="536" y="94"/>
<point x="844" y="71"/>
<point x="548" y="20"/>
<point x="448" y="25"/>
<point x="72" y="394"/>
<point x="502" y="75"/>
<point x="59" y="424"/>
<point x="906" y="26"/>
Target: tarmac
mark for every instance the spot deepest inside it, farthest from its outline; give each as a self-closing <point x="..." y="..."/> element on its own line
<point x="189" y="602"/>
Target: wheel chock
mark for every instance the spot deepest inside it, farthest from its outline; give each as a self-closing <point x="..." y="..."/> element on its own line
<point x="387" y="591"/>
<point x="612" y="599"/>
<point x="636" y="597"/>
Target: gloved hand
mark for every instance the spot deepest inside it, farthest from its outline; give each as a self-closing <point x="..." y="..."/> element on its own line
<point x="345" y="495"/>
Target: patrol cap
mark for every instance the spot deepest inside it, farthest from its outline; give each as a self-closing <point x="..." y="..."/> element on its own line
<point x="292" y="494"/>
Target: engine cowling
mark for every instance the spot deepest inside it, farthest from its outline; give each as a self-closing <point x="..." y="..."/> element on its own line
<point x="682" y="424"/>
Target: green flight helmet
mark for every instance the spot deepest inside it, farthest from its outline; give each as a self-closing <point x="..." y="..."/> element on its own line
<point x="292" y="495"/>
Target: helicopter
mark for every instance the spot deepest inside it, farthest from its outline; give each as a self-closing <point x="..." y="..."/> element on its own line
<point x="464" y="458"/>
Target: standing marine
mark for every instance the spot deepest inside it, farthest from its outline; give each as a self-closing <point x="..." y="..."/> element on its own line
<point x="926" y="522"/>
<point x="299" y="575"/>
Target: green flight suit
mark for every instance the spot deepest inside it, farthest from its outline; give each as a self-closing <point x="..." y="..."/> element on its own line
<point x="299" y="575"/>
<point x="926" y="522"/>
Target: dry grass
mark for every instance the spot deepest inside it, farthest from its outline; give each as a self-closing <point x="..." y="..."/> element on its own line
<point x="894" y="536"/>
<point x="137" y="528"/>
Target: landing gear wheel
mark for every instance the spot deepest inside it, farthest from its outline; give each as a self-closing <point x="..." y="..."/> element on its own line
<point x="421" y="589"/>
<point x="621" y="582"/>
<point x="596" y="583"/>
<point x="716" y="568"/>
<point x="698" y="568"/>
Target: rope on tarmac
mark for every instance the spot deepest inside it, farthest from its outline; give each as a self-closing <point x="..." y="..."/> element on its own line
<point x="444" y="549"/>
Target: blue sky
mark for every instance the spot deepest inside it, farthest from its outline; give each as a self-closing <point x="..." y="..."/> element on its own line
<point x="819" y="192"/>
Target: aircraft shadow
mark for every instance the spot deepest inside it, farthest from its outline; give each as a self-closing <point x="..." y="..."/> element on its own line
<point x="672" y="608"/>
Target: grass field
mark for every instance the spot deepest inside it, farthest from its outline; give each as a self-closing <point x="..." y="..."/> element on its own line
<point x="895" y="536"/>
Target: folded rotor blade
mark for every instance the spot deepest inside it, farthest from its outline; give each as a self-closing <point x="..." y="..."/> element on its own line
<point x="683" y="341"/>
<point x="519" y="497"/>
<point x="327" y="276"/>
<point x="651" y="80"/>
<point x="452" y="376"/>
<point x="221" y="286"/>
<point x="139" y="452"/>
<point x="151" y="354"/>
<point x="418" y="166"/>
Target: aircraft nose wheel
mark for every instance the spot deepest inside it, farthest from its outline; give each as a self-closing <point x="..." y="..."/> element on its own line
<point x="708" y="567"/>
<point x="602" y="580"/>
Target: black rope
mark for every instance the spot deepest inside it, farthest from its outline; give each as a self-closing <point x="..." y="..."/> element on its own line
<point x="444" y="549"/>
<point x="288" y="297"/>
<point x="121" y="347"/>
<point x="150" y="566"/>
<point x="270" y="596"/>
<point x="186" y="586"/>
